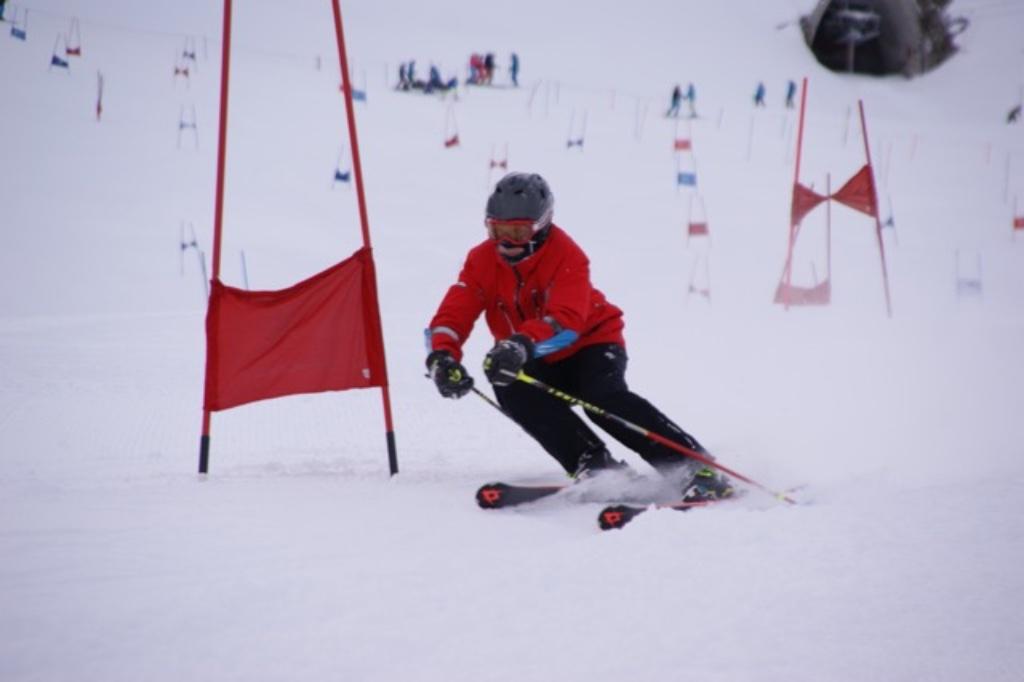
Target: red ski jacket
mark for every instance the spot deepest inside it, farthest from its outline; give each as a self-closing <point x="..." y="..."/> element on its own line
<point x="547" y="296"/>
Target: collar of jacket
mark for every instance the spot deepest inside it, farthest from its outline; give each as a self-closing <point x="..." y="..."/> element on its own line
<point x="532" y="246"/>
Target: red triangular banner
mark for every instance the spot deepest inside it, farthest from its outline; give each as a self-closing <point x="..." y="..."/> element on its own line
<point x="859" y="193"/>
<point x="706" y="293"/>
<point x="804" y="201"/>
<point x="318" y="335"/>
<point x="819" y="294"/>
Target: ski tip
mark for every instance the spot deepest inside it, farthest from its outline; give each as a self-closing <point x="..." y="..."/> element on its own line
<point x="497" y="495"/>
<point x="617" y="516"/>
<point x="491" y="495"/>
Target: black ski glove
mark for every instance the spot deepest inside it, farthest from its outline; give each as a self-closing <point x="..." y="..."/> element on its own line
<point x="451" y="378"/>
<point x="503" y="362"/>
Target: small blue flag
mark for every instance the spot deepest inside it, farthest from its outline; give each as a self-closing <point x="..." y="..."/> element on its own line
<point x="687" y="178"/>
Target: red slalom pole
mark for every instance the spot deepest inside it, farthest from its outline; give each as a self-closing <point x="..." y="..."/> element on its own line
<point x="370" y="281"/>
<point x="218" y="216"/>
<point x="796" y="181"/>
<point x="874" y="209"/>
<point x="658" y="438"/>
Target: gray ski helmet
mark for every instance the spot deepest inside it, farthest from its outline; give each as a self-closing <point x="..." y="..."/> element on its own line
<point x="522" y="196"/>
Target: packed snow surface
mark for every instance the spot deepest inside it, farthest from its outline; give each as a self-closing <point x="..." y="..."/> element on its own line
<point x="299" y="558"/>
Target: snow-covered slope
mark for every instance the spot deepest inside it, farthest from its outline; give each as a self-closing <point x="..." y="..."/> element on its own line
<point x="299" y="558"/>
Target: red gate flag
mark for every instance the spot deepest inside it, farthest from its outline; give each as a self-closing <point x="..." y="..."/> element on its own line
<point x="859" y="193"/>
<point x="790" y="294"/>
<point x="698" y="229"/>
<point x="1018" y="222"/>
<point x="321" y="334"/>
<point x="804" y="201"/>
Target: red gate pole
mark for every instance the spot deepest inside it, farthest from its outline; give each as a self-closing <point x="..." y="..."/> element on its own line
<point x="828" y="230"/>
<point x="357" y="171"/>
<point x="874" y="203"/>
<point x="218" y="219"/>
<point x="796" y="181"/>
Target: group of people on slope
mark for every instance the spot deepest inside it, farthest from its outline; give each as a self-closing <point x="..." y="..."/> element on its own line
<point x="690" y="96"/>
<point x="481" y="72"/>
<point x="760" y="91"/>
<point x="407" y="79"/>
<point x="677" y="100"/>
<point x="481" y="69"/>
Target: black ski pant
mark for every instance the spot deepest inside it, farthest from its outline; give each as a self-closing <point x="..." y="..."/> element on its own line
<point x="597" y="375"/>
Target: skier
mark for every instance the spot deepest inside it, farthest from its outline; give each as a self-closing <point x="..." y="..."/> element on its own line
<point x="691" y="98"/>
<point x="677" y="98"/>
<point x="410" y="73"/>
<point x="790" y="94"/>
<point x="1014" y="114"/>
<point x="532" y="283"/>
<point x="476" y="68"/>
<point x="488" y="68"/>
<point x="759" y="95"/>
<point x="514" y="70"/>
<point x="435" y="82"/>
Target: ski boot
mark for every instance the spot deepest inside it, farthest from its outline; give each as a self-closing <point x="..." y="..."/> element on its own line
<point x="708" y="485"/>
<point x="595" y="461"/>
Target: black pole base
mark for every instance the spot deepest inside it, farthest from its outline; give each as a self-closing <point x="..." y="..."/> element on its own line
<point x="392" y="453"/>
<point x="204" y="454"/>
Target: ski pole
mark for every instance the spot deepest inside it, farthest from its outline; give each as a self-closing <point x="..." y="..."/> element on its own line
<point x="490" y="401"/>
<point x="486" y="398"/>
<point x="594" y="409"/>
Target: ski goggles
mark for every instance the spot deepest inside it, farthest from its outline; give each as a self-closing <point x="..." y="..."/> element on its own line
<point x="515" y="231"/>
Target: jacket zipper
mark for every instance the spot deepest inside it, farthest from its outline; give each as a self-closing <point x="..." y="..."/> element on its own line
<point x="519" y="288"/>
<point x="508" y="319"/>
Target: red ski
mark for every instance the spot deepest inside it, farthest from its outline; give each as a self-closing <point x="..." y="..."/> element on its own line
<point x="618" y="515"/>
<point x="499" y="495"/>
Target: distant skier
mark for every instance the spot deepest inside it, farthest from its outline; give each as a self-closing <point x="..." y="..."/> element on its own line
<point x="489" y="68"/>
<point x="790" y="94"/>
<point x="1014" y="114"/>
<point x="476" y="69"/>
<point x="531" y="282"/>
<point x="513" y="69"/>
<point x="691" y="100"/>
<point x="435" y="82"/>
<point x="677" y="99"/>
<point x="403" y="80"/>
<point x="759" y="95"/>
